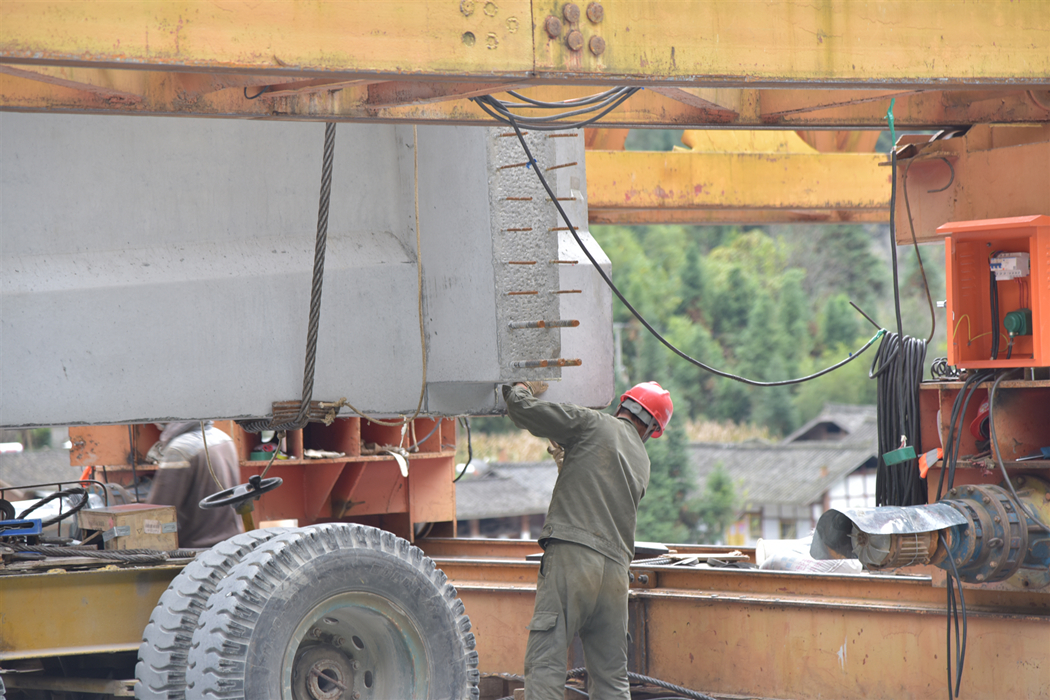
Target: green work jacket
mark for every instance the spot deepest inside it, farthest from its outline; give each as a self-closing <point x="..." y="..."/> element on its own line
<point x="604" y="475"/>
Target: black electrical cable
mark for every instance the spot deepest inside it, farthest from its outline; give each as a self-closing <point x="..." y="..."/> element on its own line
<point x="940" y="369"/>
<point x="993" y="295"/>
<point x="619" y="295"/>
<point x="470" y="450"/>
<point x="978" y="379"/>
<point x="75" y="491"/>
<point x="899" y="374"/>
<point x="598" y="105"/>
<point x="915" y="247"/>
<point x="999" y="456"/>
<point x="952" y="577"/>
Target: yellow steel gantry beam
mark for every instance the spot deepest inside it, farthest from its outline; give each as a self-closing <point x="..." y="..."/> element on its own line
<point x="737" y="177"/>
<point x="90" y="90"/>
<point x="705" y="62"/>
<point x="838" y="43"/>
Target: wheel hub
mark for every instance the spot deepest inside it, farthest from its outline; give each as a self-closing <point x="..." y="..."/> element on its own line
<point x="322" y="672"/>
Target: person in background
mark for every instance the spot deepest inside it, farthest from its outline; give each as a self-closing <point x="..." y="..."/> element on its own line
<point x="183" y="478"/>
<point x="588" y="536"/>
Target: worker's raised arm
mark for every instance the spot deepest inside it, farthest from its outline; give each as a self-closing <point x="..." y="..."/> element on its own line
<point x="559" y="422"/>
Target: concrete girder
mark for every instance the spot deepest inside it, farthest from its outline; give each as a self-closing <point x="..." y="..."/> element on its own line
<point x="734" y="177"/>
<point x="705" y="42"/>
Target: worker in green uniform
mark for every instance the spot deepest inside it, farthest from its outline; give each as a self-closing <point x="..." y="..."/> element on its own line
<point x="588" y="536"/>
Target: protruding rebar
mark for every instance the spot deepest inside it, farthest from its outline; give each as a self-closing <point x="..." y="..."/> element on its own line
<point x="536" y="364"/>
<point x="544" y="324"/>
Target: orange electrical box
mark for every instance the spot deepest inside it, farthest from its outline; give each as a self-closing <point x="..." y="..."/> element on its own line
<point x="1018" y="249"/>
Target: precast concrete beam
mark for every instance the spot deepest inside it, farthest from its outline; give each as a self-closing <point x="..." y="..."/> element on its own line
<point x="161" y="269"/>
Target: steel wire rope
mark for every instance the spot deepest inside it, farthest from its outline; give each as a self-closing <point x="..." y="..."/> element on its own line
<point x="334" y="407"/>
<point x="315" y="300"/>
<point x="130" y="556"/>
<point x="608" y="281"/>
<point x="649" y="680"/>
<point x="316" y="286"/>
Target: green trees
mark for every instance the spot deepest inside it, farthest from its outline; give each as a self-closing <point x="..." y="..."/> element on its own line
<point x="766" y="303"/>
<point x="665" y="513"/>
<point x="716" y="507"/>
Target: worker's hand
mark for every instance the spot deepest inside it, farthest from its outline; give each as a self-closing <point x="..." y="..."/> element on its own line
<point x="535" y="387"/>
<point x="558" y="453"/>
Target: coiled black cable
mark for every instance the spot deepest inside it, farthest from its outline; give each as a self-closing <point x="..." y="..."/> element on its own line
<point x="75" y="491"/>
<point x="898" y="368"/>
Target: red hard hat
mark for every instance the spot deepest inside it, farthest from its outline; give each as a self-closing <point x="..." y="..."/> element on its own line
<point x="654" y="399"/>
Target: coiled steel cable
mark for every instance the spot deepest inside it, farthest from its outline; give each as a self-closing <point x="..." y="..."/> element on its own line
<point x="75" y="491"/>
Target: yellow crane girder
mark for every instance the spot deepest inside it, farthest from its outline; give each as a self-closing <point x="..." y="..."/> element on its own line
<point x="737" y="177"/>
<point x="706" y="63"/>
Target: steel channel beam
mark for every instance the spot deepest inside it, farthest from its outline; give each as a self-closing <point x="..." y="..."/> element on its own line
<point x="681" y="183"/>
<point x="59" y="613"/>
<point x="123" y="91"/>
<point x="761" y="633"/>
<point x="832" y="44"/>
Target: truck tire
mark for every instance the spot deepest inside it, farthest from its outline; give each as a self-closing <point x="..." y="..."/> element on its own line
<point x="334" y="612"/>
<point x="161" y="667"/>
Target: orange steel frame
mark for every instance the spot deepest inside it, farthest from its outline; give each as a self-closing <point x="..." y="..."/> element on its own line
<point x="363" y="486"/>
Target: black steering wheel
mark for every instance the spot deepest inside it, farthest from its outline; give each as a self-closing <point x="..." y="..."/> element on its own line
<point x="242" y="493"/>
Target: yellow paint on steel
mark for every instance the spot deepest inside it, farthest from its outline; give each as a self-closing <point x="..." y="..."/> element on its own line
<point x="737" y="171"/>
<point x="394" y="39"/>
<point x="77" y="89"/>
<point x="709" y="217"/>
<point x="683" y="44"/>
<point x="58" y="613"/>
<point x="760" y="42"/>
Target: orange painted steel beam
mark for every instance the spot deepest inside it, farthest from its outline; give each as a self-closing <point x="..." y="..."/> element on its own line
<point x="991" y="172"/>
<point x="774" y="634"/>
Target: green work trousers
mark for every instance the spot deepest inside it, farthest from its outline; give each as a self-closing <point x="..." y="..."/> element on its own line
<point x="578" y="591"/>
